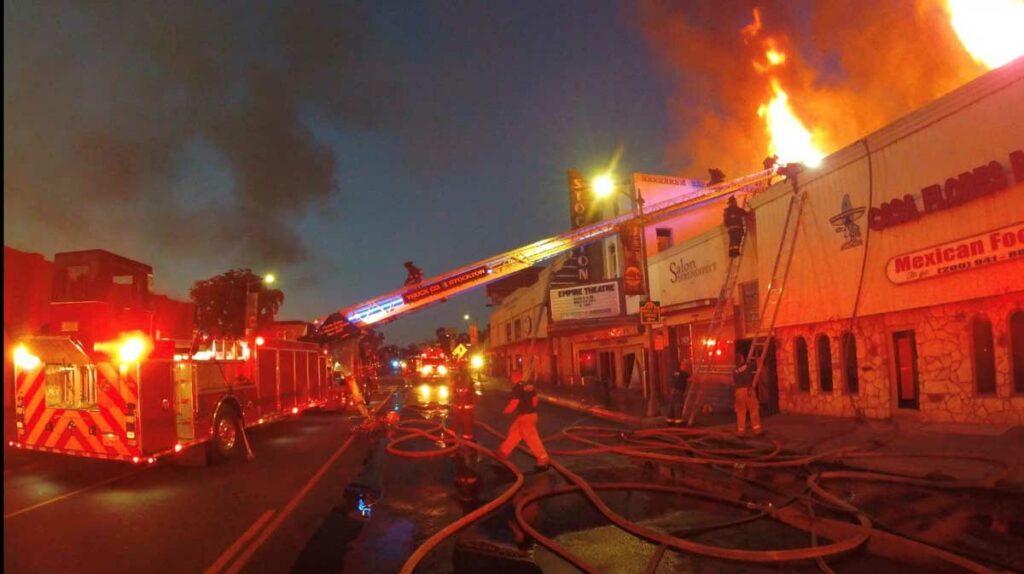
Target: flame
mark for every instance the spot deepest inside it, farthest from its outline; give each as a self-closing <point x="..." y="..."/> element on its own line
<point x="992" y="31"/>
<point x="789" y="139"/>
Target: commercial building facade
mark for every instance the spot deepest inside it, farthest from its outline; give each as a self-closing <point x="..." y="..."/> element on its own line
<point x="905" y="296"/>
<point x="906" y="292"/>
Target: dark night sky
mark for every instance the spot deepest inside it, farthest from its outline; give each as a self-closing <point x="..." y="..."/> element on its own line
<point x="326" y="142"/>
<point x="329" y="142"/>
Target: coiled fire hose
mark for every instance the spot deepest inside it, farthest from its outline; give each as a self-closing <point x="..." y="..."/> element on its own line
<point x="687" y="446"/>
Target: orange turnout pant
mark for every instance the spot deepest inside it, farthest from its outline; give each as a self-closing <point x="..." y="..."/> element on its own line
<point x="524" y="427"/>
<point x="746" y="401"/>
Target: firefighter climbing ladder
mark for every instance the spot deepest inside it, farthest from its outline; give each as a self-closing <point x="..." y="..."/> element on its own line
<point x="700" y="369"/>
<point x="770" y="310"/>
<point x="409" y="299"/>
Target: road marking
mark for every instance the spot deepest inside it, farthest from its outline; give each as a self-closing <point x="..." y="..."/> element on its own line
<point x="243" y="559"/>
<point x="73" y="493"/>
<point x="234" y="548"/>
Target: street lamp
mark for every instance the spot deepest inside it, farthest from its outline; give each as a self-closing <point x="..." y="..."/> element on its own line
<point x="604" y="186"/>
<point x="466" y="317"/>
<point x="251" y="304"/>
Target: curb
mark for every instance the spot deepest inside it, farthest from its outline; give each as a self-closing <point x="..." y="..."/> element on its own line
<point x="597" y="411"/>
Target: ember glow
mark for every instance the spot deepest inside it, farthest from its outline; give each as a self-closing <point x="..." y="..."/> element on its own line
<point x="992" y="31"/>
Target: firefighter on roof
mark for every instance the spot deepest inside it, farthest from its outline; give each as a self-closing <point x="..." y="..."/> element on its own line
<point x="415" y="274"/>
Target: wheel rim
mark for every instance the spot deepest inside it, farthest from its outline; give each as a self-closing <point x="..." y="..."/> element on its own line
<point x="226" y="434"/>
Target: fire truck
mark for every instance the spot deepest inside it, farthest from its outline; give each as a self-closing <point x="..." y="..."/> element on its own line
<point x="108" y="379"/>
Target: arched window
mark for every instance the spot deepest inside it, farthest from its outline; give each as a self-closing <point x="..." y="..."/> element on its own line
<point x="1017" y="350"/>
<point x="825" y="363"/>
<point x="848" y="356"/>
<point x="984" y="356"/>
<point x="803" y="372"/>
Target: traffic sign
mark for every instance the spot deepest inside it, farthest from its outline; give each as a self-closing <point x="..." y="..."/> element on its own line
<point x="459" y="351"/>
<point x="650" y="312"/>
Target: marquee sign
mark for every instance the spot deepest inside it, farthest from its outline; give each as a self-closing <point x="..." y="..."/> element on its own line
<point x="961" y="255"/>
<point x="594" y="301"/>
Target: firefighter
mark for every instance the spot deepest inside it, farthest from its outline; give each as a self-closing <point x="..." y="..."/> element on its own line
<point x="415" y="274"/>
<point x="463" y="402"/>
<point x="524" y="427"/>
<point x="735" y="222"/>
<point x="680" y="381"/>
<point x="746" y="396"/>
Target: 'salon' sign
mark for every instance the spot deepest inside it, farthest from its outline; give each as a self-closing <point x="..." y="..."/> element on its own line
<point x="961" y="255"/>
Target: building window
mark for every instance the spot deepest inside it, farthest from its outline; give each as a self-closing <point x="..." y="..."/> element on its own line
<point x="984" y="356"/>
<point x="508" y="332"/>
<point x="848" y="356"/>
<point x="1017" y="350"/>
<point x="518" y="329"/>
<point x="664" y="236"/>
<point x="751" y="316"/>
<point x="803" y="372"/>
<point x="825" y="363"/>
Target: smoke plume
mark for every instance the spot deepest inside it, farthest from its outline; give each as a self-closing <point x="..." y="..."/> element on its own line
<point x="181" y="125"/>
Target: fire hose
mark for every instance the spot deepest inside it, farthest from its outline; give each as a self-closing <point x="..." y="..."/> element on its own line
<point x="690" y="446"/>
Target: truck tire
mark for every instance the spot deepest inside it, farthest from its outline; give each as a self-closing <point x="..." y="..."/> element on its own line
<point x="226" y="442"/>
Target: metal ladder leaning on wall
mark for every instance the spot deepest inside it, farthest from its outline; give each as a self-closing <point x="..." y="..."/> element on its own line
<point x="695" y="393"/>
<point x="770" y="310"/>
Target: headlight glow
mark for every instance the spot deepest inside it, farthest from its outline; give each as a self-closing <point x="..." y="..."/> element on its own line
<point x="25" y="360"/>
<point x="425" y="392"/>
<point x="477" y="361"/>
<point x="442" y="370"/>
<point x="442" y="392"/>
<point x="131" y="349"/>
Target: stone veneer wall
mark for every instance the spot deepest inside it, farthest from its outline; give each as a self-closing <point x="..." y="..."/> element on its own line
<point x="944" y="363"/>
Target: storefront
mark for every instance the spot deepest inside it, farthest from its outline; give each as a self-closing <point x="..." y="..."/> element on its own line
<point x="906" y="292"/>
<point x="519" y="335"/>
<point x="687" y="279"/>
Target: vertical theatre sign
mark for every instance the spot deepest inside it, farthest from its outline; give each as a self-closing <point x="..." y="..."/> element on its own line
<point x="583" y="263"/>
<point x="632" y="257"/>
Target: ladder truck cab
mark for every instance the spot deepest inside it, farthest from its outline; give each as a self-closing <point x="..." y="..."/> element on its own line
<point x="116" y="374"/>
<point x="432" y="376"/>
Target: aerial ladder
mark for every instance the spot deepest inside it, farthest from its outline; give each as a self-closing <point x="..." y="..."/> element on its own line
<point x="769" y="311"/>
<point x="390" y="306"/>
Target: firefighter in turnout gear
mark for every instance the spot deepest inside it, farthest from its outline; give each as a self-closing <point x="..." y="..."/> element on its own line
<point x="463" y="402"/>
<point x="746" y="396"/>
<point x="414" y="274"/>
<point x="524" y="406"/>
<point x="735" y="223"/>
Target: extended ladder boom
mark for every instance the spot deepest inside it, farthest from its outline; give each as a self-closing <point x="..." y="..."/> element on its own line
<point x="413" y="298"/>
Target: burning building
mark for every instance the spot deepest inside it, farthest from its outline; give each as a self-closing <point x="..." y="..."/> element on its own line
<point x="906" y="290"/>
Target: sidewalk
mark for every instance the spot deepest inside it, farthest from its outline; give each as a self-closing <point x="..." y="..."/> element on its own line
<point x="621" y="405"/>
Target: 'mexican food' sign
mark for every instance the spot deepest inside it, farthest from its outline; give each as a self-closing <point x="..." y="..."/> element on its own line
<point x="961" y="255"/>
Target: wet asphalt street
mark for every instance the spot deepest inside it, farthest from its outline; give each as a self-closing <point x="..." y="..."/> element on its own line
<point x="65" y="514"/>
<point x="294" y="509"/>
